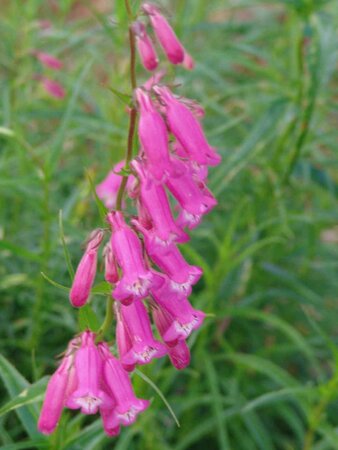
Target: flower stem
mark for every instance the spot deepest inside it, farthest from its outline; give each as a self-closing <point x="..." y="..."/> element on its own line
<point x="107" y="320"/>
<point x="133" y="112"/>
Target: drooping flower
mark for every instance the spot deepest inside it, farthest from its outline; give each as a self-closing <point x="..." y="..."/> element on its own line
<point x="166" y="36"/>
<point x="88" y="396"/>
<point x="174" y="315"/>
<point x="153" y="200"/>
<point x="135" y="339"/>
<point x="48" y="60"/>
<point x="186" y="128"/>
<point x="179" y="355"/>
<point x="193" y="196"/>
<point x="127" y="406"/>
<point x="56" y="393"/>
<point x="127" y="249"/>
<point x="153" y="137"/>
<point x="145" y="46"/>
<point x="86" y="270"/>
<point x="170" y="260"/>
<point x="108" y="188"/>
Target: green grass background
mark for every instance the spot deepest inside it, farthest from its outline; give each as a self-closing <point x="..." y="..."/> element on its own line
<point x="264" y="365"/>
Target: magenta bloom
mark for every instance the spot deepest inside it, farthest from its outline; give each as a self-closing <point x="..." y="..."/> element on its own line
<point x="126" y="246"/>
<point x="194" y="197"/>
<point x="108" y="188"/>
<point x="179" y="355"/>
<point x="153" y="136"/>
<point x="110" y="268"/>
<point x="187" y="129"/>
<point x="145" y="46"/>
<point x="86" y="270"/>
<point x="170" y="260"/>
<point x="199" y="171"/>
<point x="134" y="336"/>
<point x="153" y="200"/>
<point x="127" y="406"/>
<point x="53" y="88"/>
<point x="175" y="317"/>
<point x="188" y="62"/>
<point x="165" y="34"/>
<point x="48" y="60"/>
<point x="55" y="395"/>
<point x="88" y="366"/>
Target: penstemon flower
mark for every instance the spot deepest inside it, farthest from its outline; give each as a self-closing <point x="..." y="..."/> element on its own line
<point x="150" y="279"/>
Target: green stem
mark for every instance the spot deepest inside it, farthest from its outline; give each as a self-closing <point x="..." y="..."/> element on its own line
<point x="107" y="320"/>
<point x="129" y="154"/>
<point x="133" y="112"/>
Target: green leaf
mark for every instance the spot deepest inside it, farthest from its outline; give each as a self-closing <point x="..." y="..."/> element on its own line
<point x="103" y="288"/>
<point x="54" y="283"/>
<point x="125" y="98"/>
<point x="15" y="383"/>
<point x="100" y="206"/>
<point x="159" y="392"/>
<point x="32" y="444"/>
<point x="34" y="393"/>
<point x="65" y="248"/>
<point x="216" y="403"/>
<point x="88" y="319"/>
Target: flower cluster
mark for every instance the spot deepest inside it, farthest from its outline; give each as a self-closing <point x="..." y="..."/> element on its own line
<point x="90" y="378"/>
<point x="142" y="261"/>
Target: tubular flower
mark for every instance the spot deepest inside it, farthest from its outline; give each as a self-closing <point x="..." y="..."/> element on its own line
<point x="187" y="129"/>
<point x="86" y="270"/>
<point x="145" y="46"/>
<point x="88" y="395"/>
<point x="166" y="36"/>
<point x="134" y="336"/>
<point x="136" y="277"/>
<point x="127" y="406"/>
<point x="175" y="316"/>
<point x="154" y="201"/>
<point x="153" y="137"/>
<point x="56" y="393"/>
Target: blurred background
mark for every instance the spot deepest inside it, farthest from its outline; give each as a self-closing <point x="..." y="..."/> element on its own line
<point x="264" y="365"/>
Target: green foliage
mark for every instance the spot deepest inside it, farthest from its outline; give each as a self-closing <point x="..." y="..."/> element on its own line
<point x="264" y="365"/>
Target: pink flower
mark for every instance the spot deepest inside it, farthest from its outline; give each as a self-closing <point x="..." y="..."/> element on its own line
<point x="126" y="246"/>
<point x="127" y="406"/>
<point x="187" y="129"/>
<point x="110" y="268"/>
<point x="170" y="260"/>
<point x="175" y="317"/>
<point x="188" y="62"/>
<point x="48" y="60"/>
<point x="134" y="336"/>
<point x="194" y="197"/>
<point x="86" y="270"/>
<point x="55" y="394"/>
<point x="153" y="136"/>
<point x="53" y="88"/>
<point x="165" y="34"/>
<point x="88" y="365"/>
<point x="154" y="203"/>
<point x="154" y="79"/>
<point x="108" y="188"/>
<point x="179" y="355"/>
<point x="145" y="46"/>
<point x="199" y="171"/>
